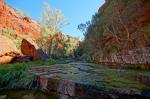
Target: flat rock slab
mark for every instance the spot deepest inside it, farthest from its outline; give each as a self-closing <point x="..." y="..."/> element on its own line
<point x="81" y="80"/>
<point x="69" y="80"/>
<point x="79" y="73"/>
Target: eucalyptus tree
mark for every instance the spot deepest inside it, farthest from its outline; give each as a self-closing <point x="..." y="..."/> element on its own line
<point x="52" y="20"/>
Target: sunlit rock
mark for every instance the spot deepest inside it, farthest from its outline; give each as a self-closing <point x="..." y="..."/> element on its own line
<point x="10" y="19"/>
<point x="30" y="48"/>
<point x="8" y="50"/>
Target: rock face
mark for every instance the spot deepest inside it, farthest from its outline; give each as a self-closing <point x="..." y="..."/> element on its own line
<point x="10" y="19"/>
<point x="132" y="20"/>
<point x="30" y="48"/>
<point x="8" y="50"/>
<point x="125" y="35"/>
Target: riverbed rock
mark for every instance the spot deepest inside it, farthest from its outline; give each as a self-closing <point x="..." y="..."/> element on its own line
<point x="81" y="80"/>
<point x="30" y="48"/>
<point x="8" y="50"/>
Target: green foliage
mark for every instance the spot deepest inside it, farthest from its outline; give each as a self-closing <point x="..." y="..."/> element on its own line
<point x="69" y="45"/>
<point x="137" y="66"/>
<point x="14" y="76"/>
<point x="143" y="73"/>
<point x="8" y="33"/>
<point x="47" y="30"/>
<point x="17" y="43"/>
<point x="52" y="20"/>
<point x="82" y="27"/>
<point x="113" y="78"/>
<point x="40" y="63"/>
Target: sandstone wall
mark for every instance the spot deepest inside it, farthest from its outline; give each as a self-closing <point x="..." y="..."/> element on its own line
<point x="135" y="17"/>
<point x="8" y="50"/>
<point x="9" y="19"/>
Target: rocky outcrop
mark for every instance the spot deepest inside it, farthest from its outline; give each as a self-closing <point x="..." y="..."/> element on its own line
<point x="30" y="48"/>
<point x="9" y="19"/>
<point x="8" y="50"/>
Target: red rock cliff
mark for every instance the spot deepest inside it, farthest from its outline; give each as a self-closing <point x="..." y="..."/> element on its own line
<point x="123" y="35"/>
<point x="11" y="20"/>
<point x="102" y="7"/>
<point x="135" y="16"/>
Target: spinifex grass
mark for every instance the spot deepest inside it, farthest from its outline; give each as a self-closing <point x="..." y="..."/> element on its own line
<point x="14" y="76"/>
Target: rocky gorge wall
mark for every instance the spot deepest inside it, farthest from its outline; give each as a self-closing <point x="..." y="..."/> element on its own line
<point x="127" y="19"/>
<point x="9" y="19"/>
<point x="14" y="28"/>
<point x="128" y="30"/>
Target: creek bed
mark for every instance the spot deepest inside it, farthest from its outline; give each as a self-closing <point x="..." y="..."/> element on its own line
<point x="89" y="81"/>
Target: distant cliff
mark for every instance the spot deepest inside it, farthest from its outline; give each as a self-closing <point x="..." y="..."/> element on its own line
<point x="9" y="19"/>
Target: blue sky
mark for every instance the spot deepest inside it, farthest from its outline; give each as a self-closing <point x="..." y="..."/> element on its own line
<point x="76" y="11"/>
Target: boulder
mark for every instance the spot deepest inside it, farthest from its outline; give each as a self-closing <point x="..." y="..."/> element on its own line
<point x="8" y="50"/>
<point x="30" y="48"/>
